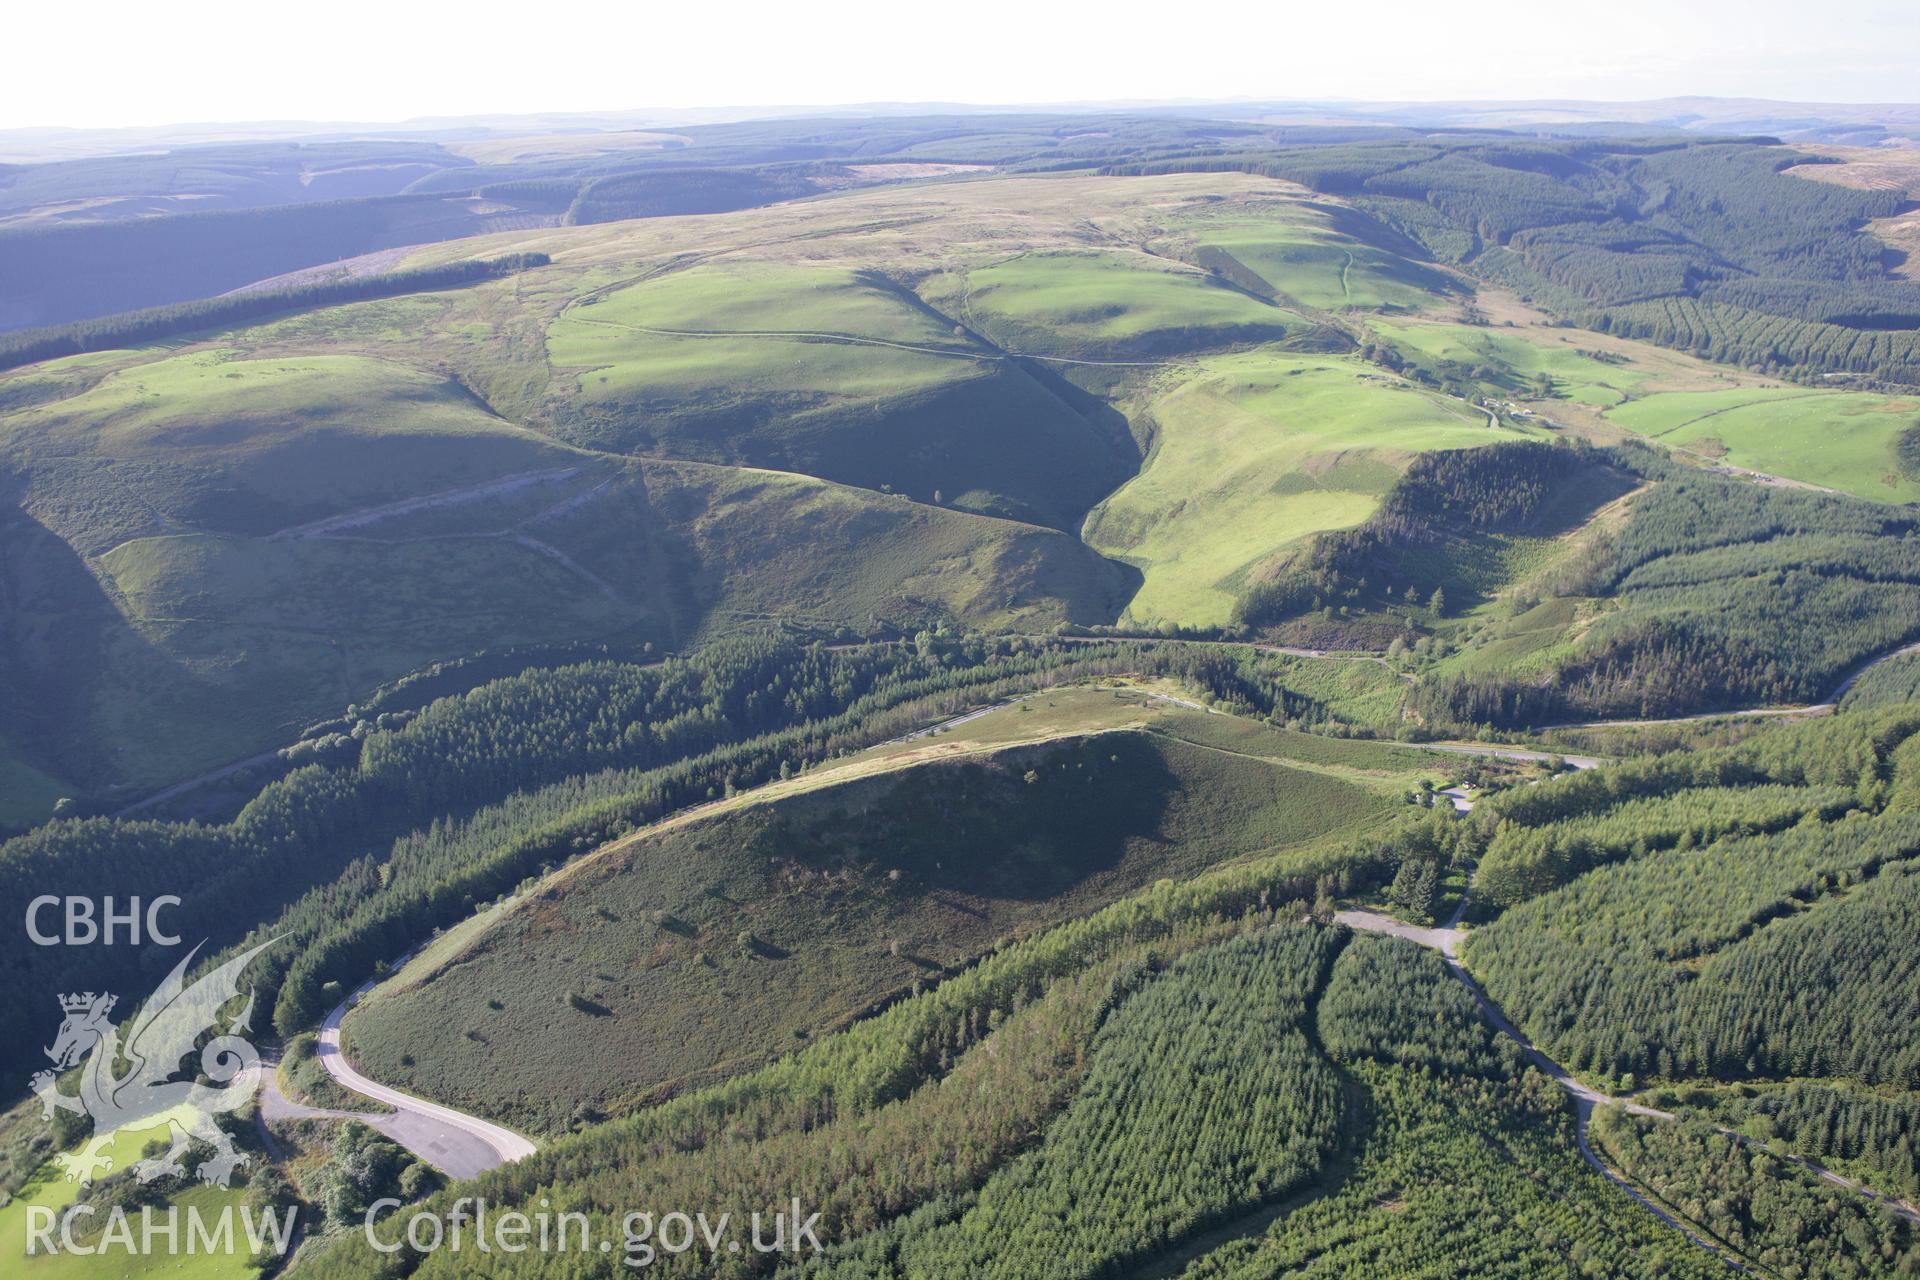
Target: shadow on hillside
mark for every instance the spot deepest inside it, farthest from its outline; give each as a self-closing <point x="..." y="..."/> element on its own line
<point x="57" y="624"/>
<point x="1028" y="826"/>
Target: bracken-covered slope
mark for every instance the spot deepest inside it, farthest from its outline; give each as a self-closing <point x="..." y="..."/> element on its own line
<point x="712" y="945"/>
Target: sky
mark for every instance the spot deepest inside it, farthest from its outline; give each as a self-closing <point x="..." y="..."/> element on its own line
<point x="114" y="63"/>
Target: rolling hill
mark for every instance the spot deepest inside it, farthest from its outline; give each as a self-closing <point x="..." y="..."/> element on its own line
<point x="1003" y="678"/>
<point x="1001" y="402"/>
<point x="677" y="429"/>
<point x="713" y="944"/>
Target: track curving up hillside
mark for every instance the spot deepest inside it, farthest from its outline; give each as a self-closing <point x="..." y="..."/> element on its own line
<point x="1446" y="939"/>
<point x="460" y="1145"/>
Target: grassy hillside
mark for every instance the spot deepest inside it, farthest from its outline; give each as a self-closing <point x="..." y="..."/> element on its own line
<point x="1104" y="304"/>
<point x="837" y="414"/>
<point x="1707" y="246"/>
<point x="1606" y="388"/>
<point x="218" y="541"/>
<point x="200" y="644"/>
<point x="1558" y="583"/>
<point x="1857" y="443"/>
<point x="824" y="372"/>
<point x="714" y="945"/>
<point x="1459" y="528"/>
<point x="1252" y="453"/>
<point x="1322" y="257"/>
<point x="248" y="442"/>
<point x="1524" y="362"/>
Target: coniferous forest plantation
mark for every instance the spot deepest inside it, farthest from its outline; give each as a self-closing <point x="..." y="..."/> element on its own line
<point x="1231" y="692"/>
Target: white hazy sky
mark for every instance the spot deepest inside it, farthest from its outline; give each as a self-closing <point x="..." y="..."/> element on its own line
<point x="117" y="63"/>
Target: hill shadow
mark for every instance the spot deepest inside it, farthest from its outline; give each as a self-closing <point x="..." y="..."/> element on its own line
<point x="1027" y="826"/>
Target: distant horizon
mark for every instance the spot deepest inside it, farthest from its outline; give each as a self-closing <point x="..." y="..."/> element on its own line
<point x="386" y="63"/>
<point x="1518" y="113"/>
<point x="933" y="106"/>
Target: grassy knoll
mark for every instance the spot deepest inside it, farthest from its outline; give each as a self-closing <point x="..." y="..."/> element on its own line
<point x="1838" y="440"/>
<point x="1128" y="703"/>
<point x="1110" y="303"/>
<point x="213" y="440"/>
<point x="220" y="637"/>
<point x="1052" y="713"/>
<point x="826" y="372"/>
<point x="1254" y="452"/>
<point x="1308" y="254"/>
<point x="1070" y="711"/>
<point x="213" y="645"/>
<point x="719" y="943"/>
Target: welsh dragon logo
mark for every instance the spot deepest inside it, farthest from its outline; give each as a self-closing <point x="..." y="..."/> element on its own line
<point x="169" y="1027"/>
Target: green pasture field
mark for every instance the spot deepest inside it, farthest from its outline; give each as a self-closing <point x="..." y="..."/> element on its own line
<point x="823" y="371"/>
<point x="760" y="297"/>
<point x="47" y="1188"/>
<point x="1382" y="766"/>
<point x="1106" y="303"/>
<point x="1516" y="357"/>
<point x="1255" y="451"/>
<point x="257" y="444"/>
<point x="1297" y="249"/>
<point x="1834" y="439"/>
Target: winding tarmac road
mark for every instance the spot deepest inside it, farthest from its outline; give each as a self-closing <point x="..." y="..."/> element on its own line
<point x="464" y="1146"/>
<point x="459" y="1145"/>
